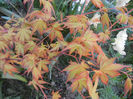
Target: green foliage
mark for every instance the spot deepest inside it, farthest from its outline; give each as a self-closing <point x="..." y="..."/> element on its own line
<point x="108" y="93"/>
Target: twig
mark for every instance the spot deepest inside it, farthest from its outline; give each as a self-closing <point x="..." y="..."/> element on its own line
<point x="15" y="9"/>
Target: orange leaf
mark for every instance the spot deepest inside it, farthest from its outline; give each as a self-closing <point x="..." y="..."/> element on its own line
<point x="48" y="8"/>
<point x="55" y="32"/>
<point x="3" y="45"/>
<point x="80" y="82"/>
<point x="103" y="37"/>
<point x="23" y="34"/>
<point x="55" y="95"/>
<point x="100" y="75"/>
<point x="97" y="3"/>
<point x="123" y="18"/>
<point x="77" y="22"/>
<point x="40" y="14"/>
<point x="43" y="65"/>
<point x="128" y="86"/>
<point x="39" y="25"/>
<point x="29" y="62"/>
<point x="107" y="67"/>
<point x="105" y="20"/>
<point x="36" y="73"/>
<point x="130" y="18"/>
<point x="75" y="69"/>
<point x="30" y="45"/>
<point x="19" y="48"/>
<point x="91" y="88"/>
<point x="10" y="69"/>
<point x="37" y="83"/>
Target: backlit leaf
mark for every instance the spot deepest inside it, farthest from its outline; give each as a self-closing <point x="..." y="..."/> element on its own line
<point x="91" y="88"/>
<point x="77" y="22"/>
<point x="3" y="45"/>
<point x="103" y="37"/>
<point x="37" y="83"/>
<point x="39" y="25"/>
<point x="97" y="3"/>
<point x="56" y="95"/>
<point x="128" y="86"/>
<point x="36" y="73"/>
<point x="55" y="32"/>
<point x="105" y="20"/>
<point x="10" y="69"/>
<point x="40" y="15"/>
<point x="43" y="65"/>
<point x="23" y="34"/>
<point x="107" y="67"/>
<point x="19" y="48"/>
<point x="80" y="82"/>
<point x="75" y="69"/>
<point x="123" y="18"/>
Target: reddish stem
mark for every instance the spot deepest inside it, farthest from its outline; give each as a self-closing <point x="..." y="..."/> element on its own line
<point x="114" y="24"/>
<point x="130" y="11"/>
<point x="42" y="40"/>
<point x="122" y="28"/>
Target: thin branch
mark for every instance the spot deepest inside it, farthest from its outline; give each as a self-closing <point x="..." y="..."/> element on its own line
<point x="122" y="28"/>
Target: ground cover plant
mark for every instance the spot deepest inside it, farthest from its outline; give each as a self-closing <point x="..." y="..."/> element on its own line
<point x="84" y="49"/>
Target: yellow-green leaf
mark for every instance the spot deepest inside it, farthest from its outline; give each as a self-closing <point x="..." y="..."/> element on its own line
<point x="23" y="35"/>
<point x="128" y="86"/>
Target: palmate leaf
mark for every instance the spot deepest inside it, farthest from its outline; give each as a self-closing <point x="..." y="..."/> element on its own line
<point x="7" y="36"/>
<point x="8" y="68"/>
<point x="55" y="32"/>
<point x="29" y="46"/>
<point x="19" y="48"/>
<point x="23" y="35"/>
<point x="107" y="67"/>
<point x="78" y="46"/>
<point x="37" y="83"/>
<point x="57" y="45"/>
<point x="47" y="6"/>
<point x="36" y="73"/>
<point x="103" y="37"/>
<point x="101" y="75"/>
<point x="80" y="82"/>
<point x="56" y="95"/>
<point x="77" y="22"/>
<point x="3" y="45"/>
<point x="43" y="65"/>
<point x="41" y="51"/>
<point x="75" y="69"/>
<point x="39" y="25"/>
<point x="29" y="62"/>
